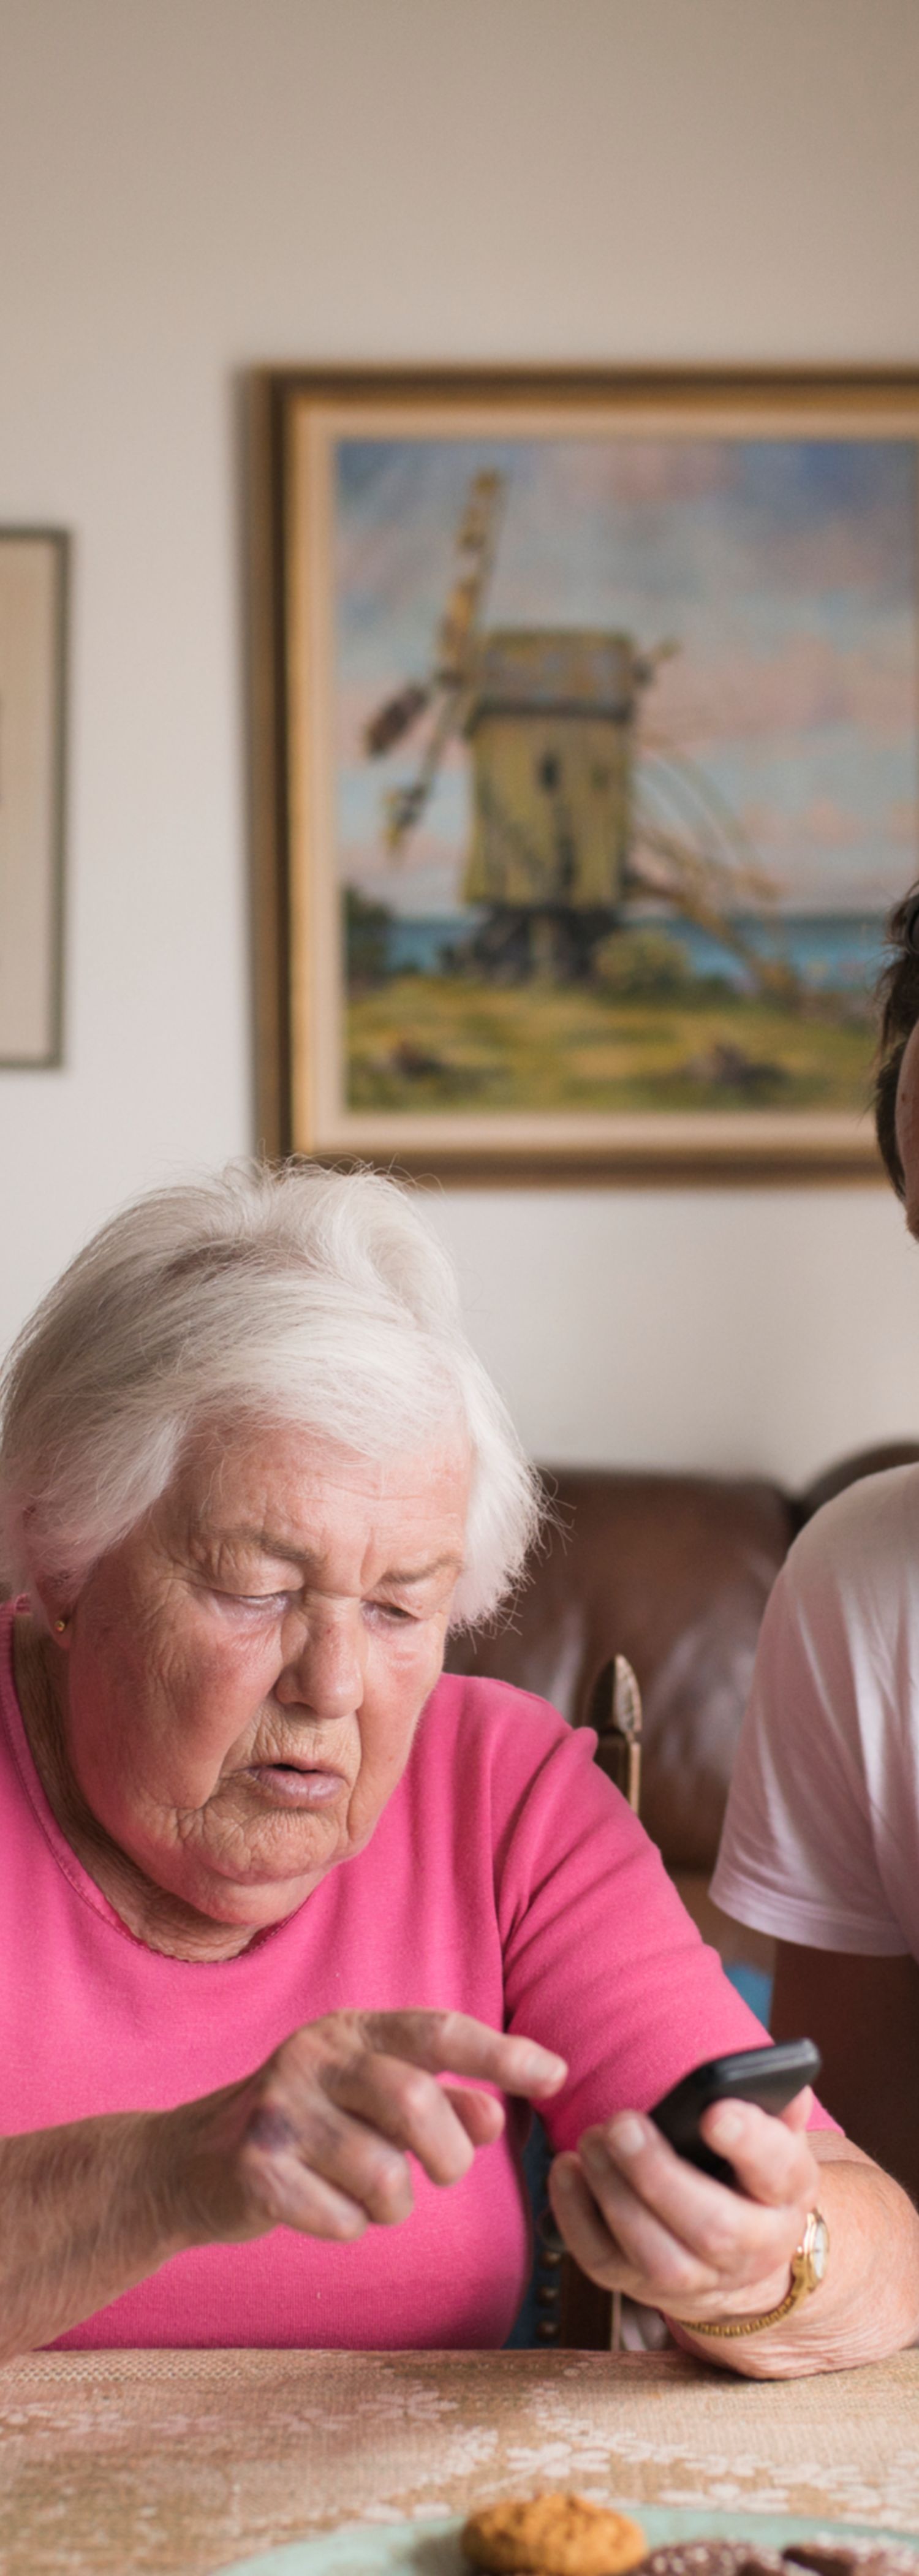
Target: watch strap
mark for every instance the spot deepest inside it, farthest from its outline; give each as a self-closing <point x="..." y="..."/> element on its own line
<point x="805" y="2277"/>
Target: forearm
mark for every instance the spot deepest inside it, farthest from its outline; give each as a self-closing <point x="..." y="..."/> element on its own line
<point x="84" y="2214"/>
<point x="868" y="2304"/>
<point x="308" y="2141"/>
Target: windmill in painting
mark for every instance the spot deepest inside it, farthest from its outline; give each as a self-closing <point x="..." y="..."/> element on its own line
<point x="563" y="837"/>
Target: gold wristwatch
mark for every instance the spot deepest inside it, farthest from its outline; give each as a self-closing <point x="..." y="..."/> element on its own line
<point x="808" y="2266"/>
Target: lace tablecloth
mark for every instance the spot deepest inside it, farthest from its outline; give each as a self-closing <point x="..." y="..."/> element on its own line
<point x="116" y="2464"/>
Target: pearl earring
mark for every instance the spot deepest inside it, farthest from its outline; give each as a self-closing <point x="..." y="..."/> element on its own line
<point x="60" y="1627"/>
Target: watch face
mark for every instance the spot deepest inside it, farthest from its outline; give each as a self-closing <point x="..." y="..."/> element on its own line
<point x="819" y="2246"/>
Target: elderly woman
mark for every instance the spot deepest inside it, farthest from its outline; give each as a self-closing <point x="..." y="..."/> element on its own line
<point x="269" y="1879"/>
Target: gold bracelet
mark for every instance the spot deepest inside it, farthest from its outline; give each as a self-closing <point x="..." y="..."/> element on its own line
<point x="808" y="2266"/>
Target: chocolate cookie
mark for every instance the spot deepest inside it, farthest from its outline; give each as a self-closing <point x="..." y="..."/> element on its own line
<point x="552" y="2535"/>
<point x="844" y="2558"/>
<point x="801" y="2558"/>
<point x="714" y="2558"/>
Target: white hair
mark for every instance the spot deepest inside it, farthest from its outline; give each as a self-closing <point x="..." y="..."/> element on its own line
<point x="299" y="1295"/>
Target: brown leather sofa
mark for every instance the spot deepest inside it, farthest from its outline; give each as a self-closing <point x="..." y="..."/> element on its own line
<point x="674" y="1572"/>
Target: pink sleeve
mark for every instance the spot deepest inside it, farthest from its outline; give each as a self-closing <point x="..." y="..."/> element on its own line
<point x="601" y="1959"/>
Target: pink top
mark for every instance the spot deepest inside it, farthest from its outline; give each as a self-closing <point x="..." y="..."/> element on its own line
<point x="506" y="1878"/>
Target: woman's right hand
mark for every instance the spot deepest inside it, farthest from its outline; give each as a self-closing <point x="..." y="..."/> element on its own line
<point x="319" y="2138"/>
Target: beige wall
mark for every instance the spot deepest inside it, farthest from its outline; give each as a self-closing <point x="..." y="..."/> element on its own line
<point x="190" y="185"/>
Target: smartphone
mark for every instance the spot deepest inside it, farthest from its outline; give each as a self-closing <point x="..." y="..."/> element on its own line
<point x="769" y="2076"/>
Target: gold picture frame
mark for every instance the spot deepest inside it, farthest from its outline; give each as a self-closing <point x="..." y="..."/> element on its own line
<point x="585" y="765"/>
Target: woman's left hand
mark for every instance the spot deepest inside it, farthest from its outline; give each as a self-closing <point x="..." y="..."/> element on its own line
<point x="639" y="2219"/>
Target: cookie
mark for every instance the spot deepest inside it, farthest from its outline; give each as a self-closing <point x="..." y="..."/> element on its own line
<point x="714" y="2558"/>
<point x="822" y="2558"/>
<point x="802" y="2558"/>
<point x="552" y="2535"/>
<point x="866" y="2558"/>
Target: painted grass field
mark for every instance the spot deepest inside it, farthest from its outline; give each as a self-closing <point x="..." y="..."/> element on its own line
<point x="425" y="1043"/>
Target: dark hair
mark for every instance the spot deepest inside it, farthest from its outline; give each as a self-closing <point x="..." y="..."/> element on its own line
<point x="898" y="998"/>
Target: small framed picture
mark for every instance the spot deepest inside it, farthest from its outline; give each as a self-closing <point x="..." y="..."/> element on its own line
<point x="33" y="598"/>
<point x="586" y="765"/>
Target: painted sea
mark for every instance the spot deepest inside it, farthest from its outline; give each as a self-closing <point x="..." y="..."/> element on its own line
<point x="829" y="952"/>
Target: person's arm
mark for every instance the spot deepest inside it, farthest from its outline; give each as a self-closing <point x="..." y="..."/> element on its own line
<point x="83" y="2216"/>
<point x="318" y="2139"/>
<point x="864" y="2015"/>
<point x="639" y="2219"/>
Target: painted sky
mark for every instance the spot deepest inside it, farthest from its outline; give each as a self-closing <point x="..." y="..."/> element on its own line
<point x="784" y="569"/>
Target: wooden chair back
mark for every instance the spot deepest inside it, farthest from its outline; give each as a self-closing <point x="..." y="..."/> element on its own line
<point x="574" y="2314"/>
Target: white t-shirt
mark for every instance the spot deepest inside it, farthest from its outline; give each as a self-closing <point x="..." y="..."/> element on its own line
<point x="821" y="1836"/>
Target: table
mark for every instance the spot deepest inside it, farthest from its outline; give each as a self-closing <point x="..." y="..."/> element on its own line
<point x="122" y="2464"/>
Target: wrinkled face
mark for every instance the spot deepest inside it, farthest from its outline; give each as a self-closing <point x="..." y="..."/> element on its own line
<point x="907" y="1124"/>
<point x="244" y="1675"/>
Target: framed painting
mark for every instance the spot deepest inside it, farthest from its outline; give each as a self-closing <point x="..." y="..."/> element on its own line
<point x="586" y="766"/>
<point x="33" y="584"/>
